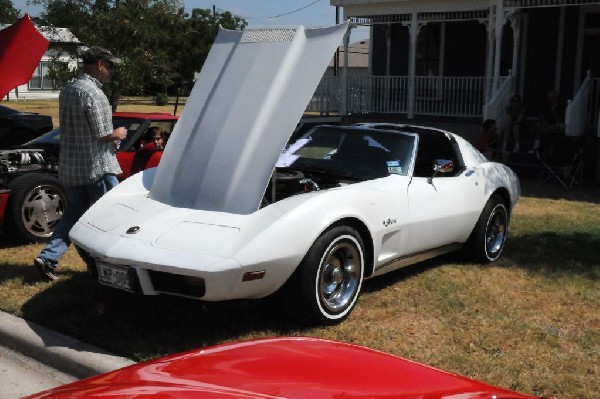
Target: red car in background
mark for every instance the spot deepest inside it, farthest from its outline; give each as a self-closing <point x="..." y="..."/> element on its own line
<point x="32" y="199"/>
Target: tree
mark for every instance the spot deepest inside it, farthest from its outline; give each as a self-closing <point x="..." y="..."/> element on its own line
<point x="8" y="13"/>
<point x="160" y="44"/>
<point x="197" y="34"/>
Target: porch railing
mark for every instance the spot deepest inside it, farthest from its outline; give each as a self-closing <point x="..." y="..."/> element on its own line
<point x="326" y="99"/>
<point x="438" y="96"/>
<point x="577" y="110"/>
<point x="449" y="96"/>
<point x="379" y="94"/>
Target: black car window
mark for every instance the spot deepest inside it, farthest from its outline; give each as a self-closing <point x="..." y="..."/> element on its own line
<point x="131" y="124"/>
<point x="433" y="145"/>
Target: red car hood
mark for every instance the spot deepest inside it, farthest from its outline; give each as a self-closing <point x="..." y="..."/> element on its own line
<point x="281" y="368"/>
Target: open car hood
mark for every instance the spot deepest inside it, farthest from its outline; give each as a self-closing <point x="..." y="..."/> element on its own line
<point x="251" y="92"/>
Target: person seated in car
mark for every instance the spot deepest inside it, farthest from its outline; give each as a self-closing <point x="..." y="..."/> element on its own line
<point x="154" y="140"/>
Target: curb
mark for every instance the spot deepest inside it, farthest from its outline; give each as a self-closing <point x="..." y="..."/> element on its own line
<point x="56" y="350"/>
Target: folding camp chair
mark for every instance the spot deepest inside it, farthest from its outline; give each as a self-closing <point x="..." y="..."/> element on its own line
<point x="563" y="161"/>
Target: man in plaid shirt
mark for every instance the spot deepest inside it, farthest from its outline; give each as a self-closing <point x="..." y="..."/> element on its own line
<point x="87" y="164"/>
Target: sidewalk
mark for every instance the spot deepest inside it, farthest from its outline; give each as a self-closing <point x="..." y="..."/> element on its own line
<point x="56" y="350"/>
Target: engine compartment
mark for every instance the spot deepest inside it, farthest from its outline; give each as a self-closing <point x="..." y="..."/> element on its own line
<point x="15" y="162"/>
<point x="287" y="182"/>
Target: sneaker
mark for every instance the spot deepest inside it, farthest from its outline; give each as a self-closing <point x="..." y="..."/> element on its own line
<point x="44" y="269"/>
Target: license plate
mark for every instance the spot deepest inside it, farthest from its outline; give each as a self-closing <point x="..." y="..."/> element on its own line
<point x="115" y="276"/>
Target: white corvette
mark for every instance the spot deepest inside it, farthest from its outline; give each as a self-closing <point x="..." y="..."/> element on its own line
<point x="226" y="215"/>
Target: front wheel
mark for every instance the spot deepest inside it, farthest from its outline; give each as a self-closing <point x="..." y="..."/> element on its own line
<point x="36" y="203"/>
<point x="489" y="235"/>
<point x="327" y="283"/>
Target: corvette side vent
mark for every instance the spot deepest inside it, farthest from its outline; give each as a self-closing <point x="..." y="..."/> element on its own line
<point x="268" y="35"/>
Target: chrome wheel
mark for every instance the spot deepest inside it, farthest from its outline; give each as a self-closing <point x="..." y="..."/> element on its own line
<point x="42" y="209"/>
<point x="326" y="285"/>
<point x="495" y="233"/>
<point x="340" y="274"/>
<point x="488" y="237"/>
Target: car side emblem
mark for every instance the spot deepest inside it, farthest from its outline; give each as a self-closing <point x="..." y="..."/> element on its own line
<point x="133" y="230"/>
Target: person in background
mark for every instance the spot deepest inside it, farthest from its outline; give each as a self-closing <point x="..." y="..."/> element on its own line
<point x="553" y="119"/>
<point x="488" y="142"/>
<point x="550" y="124"/>
<point x="156" y="136"/>
<point x="88" y="166"/>
<point x="516" y="115"/>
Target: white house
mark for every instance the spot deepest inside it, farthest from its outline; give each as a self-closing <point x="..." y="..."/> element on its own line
<point x="464" y="58"/>
<point x="460" y="61"/>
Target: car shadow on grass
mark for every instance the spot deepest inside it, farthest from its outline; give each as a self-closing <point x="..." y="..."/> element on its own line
<point x="557" y="253"/>
<point x="144" y="327"/>
<point x="386" y="280"/>
<point x="24" y="274"/>
<point x="550" y="254"/>
<point x="589" y="192"/>
<point x="6" y="241"/>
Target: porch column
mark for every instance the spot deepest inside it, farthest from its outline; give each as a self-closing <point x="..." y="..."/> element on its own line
<point x="515" y="23"/>
<point x="388" y="66"/>
<point x="579" y="54"/>
<point x="559" y="50"/>
<point x="499" y="25"/>
<point x="344" y="104"/>
<point x="490" y="55"/>
<point x="412" y="64"/>
<point x="388" y="48"/>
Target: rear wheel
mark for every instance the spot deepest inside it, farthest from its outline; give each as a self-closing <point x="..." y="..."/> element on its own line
<point x="35" y="205"/>
<point x="489" y="235"/>
<point x="327" y="283"/>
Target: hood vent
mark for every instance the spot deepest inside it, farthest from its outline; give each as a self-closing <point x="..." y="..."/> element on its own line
<point x="268" y="35"/>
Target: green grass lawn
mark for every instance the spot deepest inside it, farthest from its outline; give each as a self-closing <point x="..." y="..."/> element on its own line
<point x="529" y="322"/>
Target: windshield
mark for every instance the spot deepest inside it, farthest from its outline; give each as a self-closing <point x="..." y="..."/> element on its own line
<point x="352" y="152"/>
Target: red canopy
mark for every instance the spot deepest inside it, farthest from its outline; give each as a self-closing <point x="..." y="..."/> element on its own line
<point x="21" y="49"/>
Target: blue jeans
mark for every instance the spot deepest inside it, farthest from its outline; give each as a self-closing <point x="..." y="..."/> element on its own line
<point x="79" y="200"/>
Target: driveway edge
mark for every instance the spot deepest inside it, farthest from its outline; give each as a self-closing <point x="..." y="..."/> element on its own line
<point x="56" y="350"/>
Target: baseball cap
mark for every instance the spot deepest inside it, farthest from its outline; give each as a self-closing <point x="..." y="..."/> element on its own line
<point x="97" y="53"/>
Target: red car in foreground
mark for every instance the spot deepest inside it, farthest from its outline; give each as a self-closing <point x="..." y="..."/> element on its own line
<point x="32" y="199"/>
<point x="292" y="367"/>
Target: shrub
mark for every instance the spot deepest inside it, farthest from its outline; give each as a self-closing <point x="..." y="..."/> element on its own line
<point x="161" y="99"/>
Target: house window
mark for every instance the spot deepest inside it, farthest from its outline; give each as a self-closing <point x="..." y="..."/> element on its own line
<point x="40" y="79"/>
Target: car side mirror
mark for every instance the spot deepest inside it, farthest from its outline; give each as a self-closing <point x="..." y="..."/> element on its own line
<point x="442" y="166"/>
